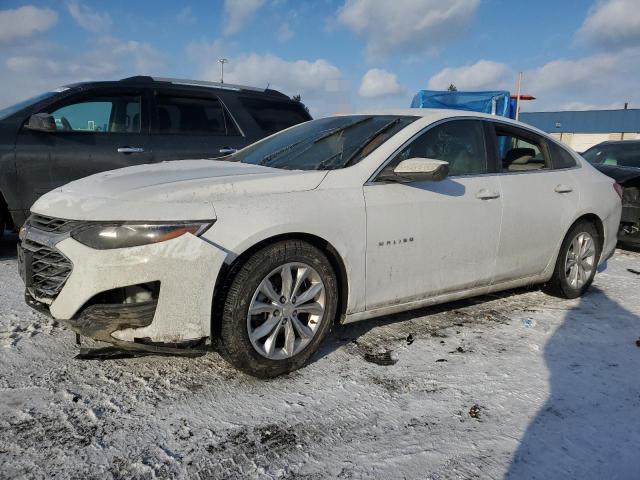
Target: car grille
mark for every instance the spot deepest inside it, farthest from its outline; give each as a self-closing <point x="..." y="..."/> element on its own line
<point x="50" y="269"/>
<point x="54" y="225"/>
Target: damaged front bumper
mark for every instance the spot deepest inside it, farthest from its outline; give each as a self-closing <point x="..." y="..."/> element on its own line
<point x="629" y="232"/>
<point x="178" y="312"/>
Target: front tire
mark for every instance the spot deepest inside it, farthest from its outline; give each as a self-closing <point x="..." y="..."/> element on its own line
<point x="577" y="261"/>
<point x="278" y="309"/>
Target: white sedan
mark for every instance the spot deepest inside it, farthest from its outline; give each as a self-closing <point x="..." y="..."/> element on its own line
<point x="334" y="220"/>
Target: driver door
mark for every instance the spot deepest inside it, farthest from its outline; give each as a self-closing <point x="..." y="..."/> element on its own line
<point x="429" y="238"/>
<point x="96" y="131"/>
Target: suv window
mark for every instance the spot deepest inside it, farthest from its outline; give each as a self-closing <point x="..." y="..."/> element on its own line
<point x="520" y="151"/>
<point x="112" y="114"/>
<point x="560" y="158"/>
<point x="197" y="116"/>
<point x="459" y="142"/>
<point x="272" y="116"/>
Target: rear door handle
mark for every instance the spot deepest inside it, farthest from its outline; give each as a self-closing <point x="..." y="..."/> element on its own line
<point x="227" y="150"/>
<point x="563" y="189"/>
<point x="485" y="194"/>
<point x="130" y="150"/>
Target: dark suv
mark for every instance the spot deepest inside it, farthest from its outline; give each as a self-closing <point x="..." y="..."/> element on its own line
<point x="91" y="127"/>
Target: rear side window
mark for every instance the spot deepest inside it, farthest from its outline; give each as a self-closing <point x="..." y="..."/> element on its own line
<point x="520" y="151"/>
<point x="273" y="116"/>
<point x="195" y="116"/>
<point x="560" y="158"/>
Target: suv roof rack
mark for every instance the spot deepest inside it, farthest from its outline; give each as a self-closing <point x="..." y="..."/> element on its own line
<point x="199" y="83"/>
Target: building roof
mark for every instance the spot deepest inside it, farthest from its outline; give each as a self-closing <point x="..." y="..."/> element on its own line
<point x="588" y="121"/>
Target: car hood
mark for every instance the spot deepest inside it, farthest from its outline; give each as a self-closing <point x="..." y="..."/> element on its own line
<point x="619" y="174"/>
<point x="177" y="190"/>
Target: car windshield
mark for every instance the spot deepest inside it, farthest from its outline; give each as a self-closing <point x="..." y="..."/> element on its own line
<point x="324" y="144"/>
<point x="620" y="155"/>
<point x="8" y="111"/>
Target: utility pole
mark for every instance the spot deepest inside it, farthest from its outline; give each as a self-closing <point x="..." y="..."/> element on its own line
<point x="222" y="62"/>
<point x="518" y="97"/>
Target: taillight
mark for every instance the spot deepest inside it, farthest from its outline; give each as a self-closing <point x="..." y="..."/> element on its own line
<point x="618" y="188"/>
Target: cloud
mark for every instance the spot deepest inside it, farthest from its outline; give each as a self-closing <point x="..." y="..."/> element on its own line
<point x="612" y="24"/>
<point x="24" y="22"/>
<point x="482" y="75"/>
<point x="284" y="32"/>
<point x="600" y="80"/>
<point x="380" y="83"/>
<point x="238" y="13"/>
<point x="186" y="16"/>
<point x="29" y="71"/>
<point x="320" y="83"/>
<point x="406" y="26"/>
<point x="88" y="18"/>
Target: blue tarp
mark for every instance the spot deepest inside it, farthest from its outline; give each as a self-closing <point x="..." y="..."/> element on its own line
<point x="496" y="102"/>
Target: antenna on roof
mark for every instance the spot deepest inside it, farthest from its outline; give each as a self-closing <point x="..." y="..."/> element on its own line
<point x="267" y="87"/>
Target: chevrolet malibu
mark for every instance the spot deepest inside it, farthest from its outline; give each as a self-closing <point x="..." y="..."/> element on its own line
<point x="334" y="220"/>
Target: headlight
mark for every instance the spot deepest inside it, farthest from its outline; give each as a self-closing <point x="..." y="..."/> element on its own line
<point x="124" y="235"/>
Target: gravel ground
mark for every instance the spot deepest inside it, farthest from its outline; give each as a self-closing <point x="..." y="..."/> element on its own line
<point x="517" y="385"/>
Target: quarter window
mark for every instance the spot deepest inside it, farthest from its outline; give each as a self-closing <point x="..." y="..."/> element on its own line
<point x="272" y="116"/>
<point x="193" y="116"/>
<point x="100" y="115"/>
<point x="520" y="151"/>
<point x="459" y="142"/>
<point x="560" y="157"/>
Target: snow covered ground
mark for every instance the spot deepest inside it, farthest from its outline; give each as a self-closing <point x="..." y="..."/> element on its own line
<point x="520" y="385"/>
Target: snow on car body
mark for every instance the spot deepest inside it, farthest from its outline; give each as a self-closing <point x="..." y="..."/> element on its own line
<point x="377" y="236"/>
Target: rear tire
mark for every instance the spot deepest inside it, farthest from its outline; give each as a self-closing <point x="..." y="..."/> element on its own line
<point x="284" y="330"/>
<point x="577" y="261"/>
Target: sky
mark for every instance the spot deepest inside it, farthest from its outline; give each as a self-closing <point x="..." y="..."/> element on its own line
<point x="339" y="55"/>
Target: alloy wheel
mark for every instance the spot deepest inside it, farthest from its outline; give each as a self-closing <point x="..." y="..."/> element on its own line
<point x="580" y="260"/>
<point x="286" y="310"/>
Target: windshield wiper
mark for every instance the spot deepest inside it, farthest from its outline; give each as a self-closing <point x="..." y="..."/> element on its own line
<point x="369" y="139"/>
<point x="330" y="133"/>
<point x="267" y="158"/>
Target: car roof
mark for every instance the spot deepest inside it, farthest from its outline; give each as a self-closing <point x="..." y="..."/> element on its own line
<point x="618" y="142"/>
<point x="148" y="81"/>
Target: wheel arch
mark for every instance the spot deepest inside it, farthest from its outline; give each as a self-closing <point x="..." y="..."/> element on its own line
<point x="595" y="220"/>
<point x="229" y="270"/>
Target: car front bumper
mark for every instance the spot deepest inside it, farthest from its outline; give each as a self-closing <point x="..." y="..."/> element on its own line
<point x="186" y="269"/>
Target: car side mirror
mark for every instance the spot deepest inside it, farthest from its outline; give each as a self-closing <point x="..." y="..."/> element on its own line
<point x="42" y="122"/>
<point x="422" y="169"/>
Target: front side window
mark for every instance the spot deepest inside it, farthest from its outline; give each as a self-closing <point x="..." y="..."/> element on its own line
<point x="520" y="151"/>
<point x="620" y="154"/>
<point x="324" y="144"/>
<point x="112" y="114"/>
<point x="195" y="116"/>
<point x="458" y="142"/>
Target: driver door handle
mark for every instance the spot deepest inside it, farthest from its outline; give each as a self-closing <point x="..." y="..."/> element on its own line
<point x="563" y="189"/>
<point x="130" y="150"/>
<point x="485" y="194"/>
